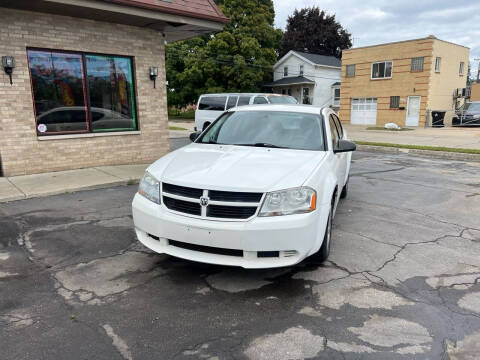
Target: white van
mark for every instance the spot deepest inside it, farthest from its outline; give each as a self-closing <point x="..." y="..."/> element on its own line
<point x="211" y="106"/>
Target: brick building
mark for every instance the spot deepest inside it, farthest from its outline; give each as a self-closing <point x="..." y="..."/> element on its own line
<point x="398" y="82"/>
<point x="81" y="93"/>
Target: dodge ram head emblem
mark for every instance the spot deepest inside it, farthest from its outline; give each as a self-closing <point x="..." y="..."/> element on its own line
<point x="204" y="201"/>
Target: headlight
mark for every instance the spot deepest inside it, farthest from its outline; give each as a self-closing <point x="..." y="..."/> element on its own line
<point x="150" y="188"/>
<point x="287" y="202"/>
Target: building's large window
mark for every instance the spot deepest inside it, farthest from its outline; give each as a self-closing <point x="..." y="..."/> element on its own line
<point x="382" y="70"/>
<point x="77" y="93"/>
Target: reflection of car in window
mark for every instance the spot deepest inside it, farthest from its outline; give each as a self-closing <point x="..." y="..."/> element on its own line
<point x="72" y="118"/>
<point x="467" y="115"/>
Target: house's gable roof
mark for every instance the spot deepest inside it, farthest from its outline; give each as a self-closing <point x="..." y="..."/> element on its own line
<point x="202" y="9"/>
<point x="312" y="59"/>
<point x="320" y="59"/>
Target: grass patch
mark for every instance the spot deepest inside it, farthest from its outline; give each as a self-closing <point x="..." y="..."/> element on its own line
<point x="382" y="128"/>
<point x="420" y="147"/>
<point x="180" y="120"/>
<point x="176" y="128"/>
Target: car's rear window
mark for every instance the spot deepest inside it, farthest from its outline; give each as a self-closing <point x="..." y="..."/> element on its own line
<point x="213" y="103"/>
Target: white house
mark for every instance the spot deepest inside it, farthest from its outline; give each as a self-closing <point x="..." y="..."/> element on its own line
<point x="310" y="78"/>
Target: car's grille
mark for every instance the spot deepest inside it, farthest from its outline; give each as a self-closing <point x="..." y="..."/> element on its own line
<point x="182" y="190"/>
<point x="215" y="204"/>
<point x="231" y="212"/>
<point x="182" y="206"/>
<point x="235" y="196"/>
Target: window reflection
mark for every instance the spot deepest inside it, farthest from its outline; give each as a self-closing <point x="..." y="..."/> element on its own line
<point x="110" y="88"/>
<point x="57" y="80"/>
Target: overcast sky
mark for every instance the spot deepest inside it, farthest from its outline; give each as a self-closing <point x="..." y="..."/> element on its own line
<point x="377" y="21"/>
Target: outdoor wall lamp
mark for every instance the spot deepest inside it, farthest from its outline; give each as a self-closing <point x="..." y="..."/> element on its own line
<point x="153" y="74"/>
<point x="8" y="63"/>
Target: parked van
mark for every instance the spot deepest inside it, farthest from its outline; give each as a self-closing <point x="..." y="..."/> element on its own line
<point x="211" y="106"/>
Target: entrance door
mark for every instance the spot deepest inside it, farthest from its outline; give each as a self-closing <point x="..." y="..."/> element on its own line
<point x="413" y="111"/>
<point x="306" y="96"/>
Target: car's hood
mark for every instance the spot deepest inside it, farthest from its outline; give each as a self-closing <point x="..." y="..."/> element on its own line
<point x="236" y="168"/>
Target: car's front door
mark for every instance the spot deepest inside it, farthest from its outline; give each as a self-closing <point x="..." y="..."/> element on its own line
<point x="340" y="158"/>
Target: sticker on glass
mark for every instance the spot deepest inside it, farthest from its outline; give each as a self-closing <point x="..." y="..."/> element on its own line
<point x="42" y="128"/>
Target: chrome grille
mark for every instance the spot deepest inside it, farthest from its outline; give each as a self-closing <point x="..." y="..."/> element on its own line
<point x="220" y="205"/>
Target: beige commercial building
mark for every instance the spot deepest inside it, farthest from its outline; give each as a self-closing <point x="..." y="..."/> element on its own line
<point x="475" y="91"/>
<point x="88" y="85"/>
<point x="398" y="82"/>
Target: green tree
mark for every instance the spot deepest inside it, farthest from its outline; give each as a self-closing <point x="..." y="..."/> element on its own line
<point x="238" y="59"/>
<point x="312" y="30"/>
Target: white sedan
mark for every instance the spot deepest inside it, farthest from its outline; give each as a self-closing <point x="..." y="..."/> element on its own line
<point x="257" y="189"/>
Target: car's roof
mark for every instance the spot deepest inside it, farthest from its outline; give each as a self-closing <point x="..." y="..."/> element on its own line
<point x="309" y="109"/>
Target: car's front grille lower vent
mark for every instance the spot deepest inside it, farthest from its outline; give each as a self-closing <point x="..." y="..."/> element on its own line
<point x="231" y="212"/>
<point x="182" y="206"/>
<point x="212" y="204"/>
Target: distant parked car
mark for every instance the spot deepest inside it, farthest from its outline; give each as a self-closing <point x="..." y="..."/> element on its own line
<point x="211" y="106"/>
<point x="468" y="115"/>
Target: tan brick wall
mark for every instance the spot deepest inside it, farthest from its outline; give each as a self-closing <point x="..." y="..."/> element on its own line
<point x="403" y="82"/>
<point x="21" y="151"/>
<point x="475" y="92"/>
<point x="444" y="82"/>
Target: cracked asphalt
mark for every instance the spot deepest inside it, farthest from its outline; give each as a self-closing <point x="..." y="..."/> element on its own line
<point x="402" y="282"/>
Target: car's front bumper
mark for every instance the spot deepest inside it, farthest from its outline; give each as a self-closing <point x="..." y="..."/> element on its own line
<point x="294" y="237"/>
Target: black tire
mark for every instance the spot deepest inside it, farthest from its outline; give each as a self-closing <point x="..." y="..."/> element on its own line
<point x="207" y="124"/>
<point x="344" y="192"/>
<point x="324" y="251"/>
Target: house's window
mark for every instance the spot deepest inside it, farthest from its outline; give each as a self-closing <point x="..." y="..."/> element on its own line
<point x="394" y="102"/>
<point x="417" y="64"/>
<point x="306" y="96"/>
<point x="301" y="70"/>
<point x="437" y="64"/>
<point x="382" y="70"/>
<point x="336" y="96"/>
<point x="77" y="93"/>
<point x="284" y="91"/>
<point x="460" y="70"/>
<point x="350" y="71"/>
<point x="289" y="92"/>
<point x="285" y="71"/>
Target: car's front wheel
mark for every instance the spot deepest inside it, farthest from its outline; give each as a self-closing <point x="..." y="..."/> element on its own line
<point x="324" y="251"/>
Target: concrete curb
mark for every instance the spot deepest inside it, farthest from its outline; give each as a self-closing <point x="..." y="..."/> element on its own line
<point x="426" y="153"/>
<point x="77" y="189"/>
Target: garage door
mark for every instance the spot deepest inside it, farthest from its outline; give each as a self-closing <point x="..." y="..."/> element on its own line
<point x="364" y="111"/>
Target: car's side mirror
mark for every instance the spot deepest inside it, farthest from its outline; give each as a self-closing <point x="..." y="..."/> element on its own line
<point x="194" y="136"/>
<point x="345" y="146"/>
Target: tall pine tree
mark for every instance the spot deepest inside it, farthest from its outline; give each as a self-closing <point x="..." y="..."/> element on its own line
<point x="312" y="30"/>
<point x="238" y="59"/>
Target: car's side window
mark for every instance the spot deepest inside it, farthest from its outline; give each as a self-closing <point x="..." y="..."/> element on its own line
<point x="334" y="132"/>
<point x="339" y="126"/>
<point x="260" y="100"/>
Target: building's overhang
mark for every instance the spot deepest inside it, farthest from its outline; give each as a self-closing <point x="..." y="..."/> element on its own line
<point x="174" y="24"/>
<point x="290" y="81"/>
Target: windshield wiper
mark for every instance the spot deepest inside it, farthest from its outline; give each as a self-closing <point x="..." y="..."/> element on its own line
<point x="260" y="144"/>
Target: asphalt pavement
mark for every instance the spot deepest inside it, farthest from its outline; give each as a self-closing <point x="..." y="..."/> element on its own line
<point x="402" y="282"/>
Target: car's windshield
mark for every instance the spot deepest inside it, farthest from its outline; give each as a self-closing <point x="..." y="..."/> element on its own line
<point x="282" y="100"/>
<point x="280" y="129"/>
<point x="472" y="107"/>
